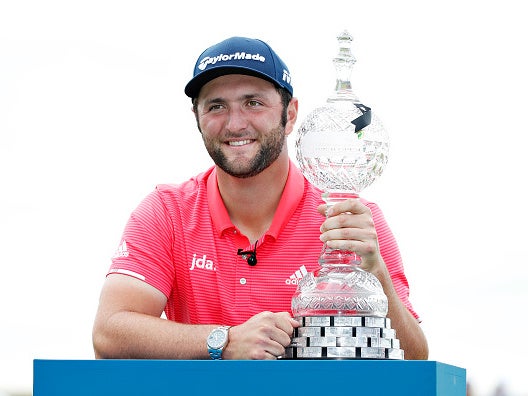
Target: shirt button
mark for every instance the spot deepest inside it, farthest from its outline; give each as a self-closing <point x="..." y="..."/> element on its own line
<point x="243" y="281"/>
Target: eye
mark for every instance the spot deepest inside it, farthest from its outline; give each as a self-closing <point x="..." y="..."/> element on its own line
<point x="215" y="107"/>
<point x="253" y="103"/>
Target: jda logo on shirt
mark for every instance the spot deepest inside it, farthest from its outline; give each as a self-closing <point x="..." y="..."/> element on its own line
<point x="202" y="263"/>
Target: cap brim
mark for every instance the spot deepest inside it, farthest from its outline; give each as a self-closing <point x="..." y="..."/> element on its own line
<point x="193" y="87"/>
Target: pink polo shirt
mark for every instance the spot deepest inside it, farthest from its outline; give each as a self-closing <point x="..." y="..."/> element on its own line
<point x="181" y="241"/>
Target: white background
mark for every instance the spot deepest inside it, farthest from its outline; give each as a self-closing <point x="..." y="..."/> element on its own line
<point x="93" y="115"/>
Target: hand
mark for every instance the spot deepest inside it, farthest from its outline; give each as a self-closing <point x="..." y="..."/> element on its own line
<point x="264" y="337"/>
<point x="349" y="226"/>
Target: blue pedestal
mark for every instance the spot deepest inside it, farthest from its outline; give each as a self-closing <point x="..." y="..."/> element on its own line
<point x="249" y="378"/>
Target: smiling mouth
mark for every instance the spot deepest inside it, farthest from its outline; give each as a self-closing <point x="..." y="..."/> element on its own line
<point x="240" y="142"/>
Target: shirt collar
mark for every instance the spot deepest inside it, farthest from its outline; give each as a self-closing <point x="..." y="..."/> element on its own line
<point x="291" y="196"/>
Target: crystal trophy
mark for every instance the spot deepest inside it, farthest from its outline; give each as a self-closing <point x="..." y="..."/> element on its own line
<point x="342" y="148"/>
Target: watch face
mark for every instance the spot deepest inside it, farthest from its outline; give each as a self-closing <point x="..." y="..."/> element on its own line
<point x="217" y="339"/>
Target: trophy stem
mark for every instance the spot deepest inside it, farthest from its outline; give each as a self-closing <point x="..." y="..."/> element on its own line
<point x="338" y="257"/>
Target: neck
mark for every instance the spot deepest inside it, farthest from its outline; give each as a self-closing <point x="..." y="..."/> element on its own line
<point x="252" y="202"/>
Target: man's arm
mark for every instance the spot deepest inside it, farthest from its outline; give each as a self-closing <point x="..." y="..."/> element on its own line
<point x="408" y="330"/>
<point x="349" y="225"/>
<point x="128" y="326"/>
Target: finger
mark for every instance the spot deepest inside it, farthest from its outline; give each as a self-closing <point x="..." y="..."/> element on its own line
<point x="282" y="331"/>
<point x="344" y="234"/>
<point x="285" y="322"/>
<point x="280" y="338"/>
<point x="277" y="349"/>
<point x="269" y="356"/>
<point x="349" y="220"/>
<point x="344" y="244"/>
<point x="353" y="205"/>
<point x="337" y="222"/>
<point x="363" y="248"/>
<point x="322" y="209"/>
<point x="363" y="233"/>
<point x="295" y="323"/>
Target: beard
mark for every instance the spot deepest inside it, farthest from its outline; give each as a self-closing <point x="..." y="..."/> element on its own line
<point x="269" y="151"/>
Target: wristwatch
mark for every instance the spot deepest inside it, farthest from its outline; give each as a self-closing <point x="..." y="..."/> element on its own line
<point x="216" y="342"/>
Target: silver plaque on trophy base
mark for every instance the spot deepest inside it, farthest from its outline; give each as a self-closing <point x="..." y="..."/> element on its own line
<point x="342" y="337"/>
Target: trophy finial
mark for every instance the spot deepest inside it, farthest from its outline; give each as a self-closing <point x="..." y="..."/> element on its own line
<point x="344" y="41"/>
<point x="345" y="37"/>
<point x="343" y="63"/>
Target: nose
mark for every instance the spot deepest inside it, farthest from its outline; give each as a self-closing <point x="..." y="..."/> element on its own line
<point x="236" y="120"/>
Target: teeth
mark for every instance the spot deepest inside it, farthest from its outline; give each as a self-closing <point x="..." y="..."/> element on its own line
<point x="240" y="143"/>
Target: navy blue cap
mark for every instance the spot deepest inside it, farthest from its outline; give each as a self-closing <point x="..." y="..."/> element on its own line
<point x="239" y="55"/>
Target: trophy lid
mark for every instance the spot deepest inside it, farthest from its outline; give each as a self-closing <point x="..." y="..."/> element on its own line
<point x="343" y="63"/>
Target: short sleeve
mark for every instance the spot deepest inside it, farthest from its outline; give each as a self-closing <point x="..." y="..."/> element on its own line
<point x="145" y="251"/>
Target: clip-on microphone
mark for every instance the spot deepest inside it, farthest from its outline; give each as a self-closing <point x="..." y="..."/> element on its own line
<point x="250" y="255"/>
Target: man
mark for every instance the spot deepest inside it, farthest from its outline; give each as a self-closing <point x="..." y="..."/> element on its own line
<point x="219" y="253"/>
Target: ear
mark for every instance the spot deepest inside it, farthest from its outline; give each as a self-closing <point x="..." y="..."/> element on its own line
<point x="292" y="110"/>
